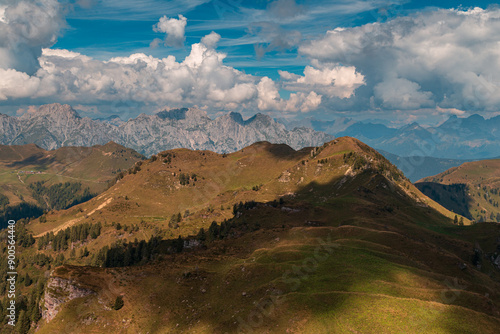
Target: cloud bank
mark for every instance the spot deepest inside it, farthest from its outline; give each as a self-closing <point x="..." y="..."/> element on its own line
<point x="442" y="58"/>
<point x="200" y="79"/>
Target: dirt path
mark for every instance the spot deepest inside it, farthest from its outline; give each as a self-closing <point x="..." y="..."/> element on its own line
<point x="72" y="222"/>
<point x="67" y="224"/>
<point x="100" y="206"/>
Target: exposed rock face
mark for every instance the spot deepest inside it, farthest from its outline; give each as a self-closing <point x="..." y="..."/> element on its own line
<point x="60" y="291"/>
<point x="56" y="125"/>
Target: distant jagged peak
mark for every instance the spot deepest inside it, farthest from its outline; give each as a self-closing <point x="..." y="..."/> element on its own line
<point x="110" y="119"/>
<point x="453" y="119"/>
<point x="237" y="117"/>
<point x="141" y="116"/>
<point x="414" y="126"/>
<point x="260" y="118"/>
<point x="473" y="122"/>
<point x="232" y="116"/>
<point x="475" y="117"/>
<point x="53" y="110"/>
<point x="182" y="113"/>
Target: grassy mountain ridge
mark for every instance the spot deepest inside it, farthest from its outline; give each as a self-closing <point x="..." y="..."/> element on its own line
<point x="86" y="169"/>
<point x="215" y="182"/>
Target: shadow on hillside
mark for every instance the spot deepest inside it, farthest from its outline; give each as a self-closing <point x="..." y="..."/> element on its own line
<point x="454" y="197"/>
<point x="380" y="251"/>
<point x="36" y="159"/>
<point x="279" y="151"/>
<point x="381" y="262"/>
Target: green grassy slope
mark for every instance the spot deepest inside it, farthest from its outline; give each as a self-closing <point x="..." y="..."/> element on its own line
<point x="364" y="269"/>
<point x="93" y="167"/>
<point x="472" y="189"/>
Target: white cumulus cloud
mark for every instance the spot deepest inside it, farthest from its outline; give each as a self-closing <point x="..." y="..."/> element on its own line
<point x="333" y="81"/>
<point x="32" y="72"/>
<point x="15" y="84"/>
<point x="269" y="98"/>
<point x="27" y="26"/>
<point x="174" y="30"/>
<point x="211" y="40"/>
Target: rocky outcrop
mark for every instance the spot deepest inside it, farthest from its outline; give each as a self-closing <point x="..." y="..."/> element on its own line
<point x="59" y="291"/>
<point x="55" y="125"/>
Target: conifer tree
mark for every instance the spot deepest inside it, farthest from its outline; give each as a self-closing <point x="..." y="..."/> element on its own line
<point x="23" y="323"/>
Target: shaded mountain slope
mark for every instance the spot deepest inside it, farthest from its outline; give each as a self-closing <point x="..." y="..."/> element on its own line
<point x="471" y="189"/>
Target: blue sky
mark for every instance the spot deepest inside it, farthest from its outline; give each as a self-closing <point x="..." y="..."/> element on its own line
<point x="294" y="59"/>
<point x="111" y="28"/>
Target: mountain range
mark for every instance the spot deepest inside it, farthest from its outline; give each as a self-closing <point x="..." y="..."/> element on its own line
<point x="55" y="125"/>
<point x="467" y="138"/>
<point x="419" y="167"/>
<point x="448" y="145"/>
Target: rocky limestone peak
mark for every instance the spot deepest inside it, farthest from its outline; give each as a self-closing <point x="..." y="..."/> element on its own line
<point x="54" y="110"/>
<point x="260" y="119"/>
<point x="182" y="114"/>
<point x="232" y="117"/>
<point x="112" y="120"/>
<point x="235" y="116"/>
<point x="196" y="113"/>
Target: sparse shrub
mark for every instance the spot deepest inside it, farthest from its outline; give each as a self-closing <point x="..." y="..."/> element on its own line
<point x="184" y="179"/>
<point x="255" y="188"/>
<point x="118" y="304"/>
